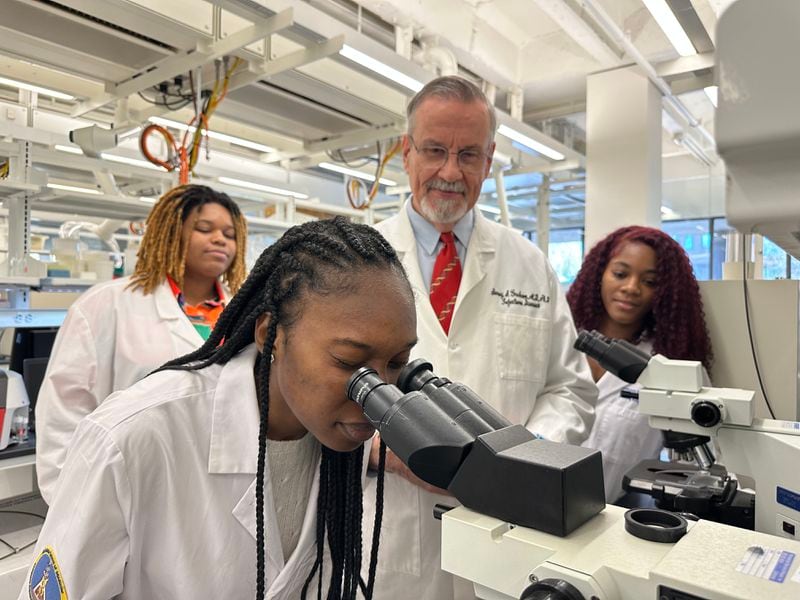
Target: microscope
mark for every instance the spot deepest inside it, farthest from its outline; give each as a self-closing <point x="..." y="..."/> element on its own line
<point x="533" y="524"/>
<point x="450" y="438"/>
<point x="673" y="397"/>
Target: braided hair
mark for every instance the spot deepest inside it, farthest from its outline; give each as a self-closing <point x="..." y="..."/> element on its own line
<point x="317" y="256"/>
<point x="163" y="252"/>
<point x="676" y="323"/>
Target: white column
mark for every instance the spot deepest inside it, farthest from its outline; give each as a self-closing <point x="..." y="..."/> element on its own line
<point x="623" y="152"/>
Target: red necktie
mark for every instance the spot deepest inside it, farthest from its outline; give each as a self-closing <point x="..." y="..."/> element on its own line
<point x="445" y="281"/>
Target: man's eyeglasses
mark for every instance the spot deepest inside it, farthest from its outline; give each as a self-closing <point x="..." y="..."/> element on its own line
<point x="434" y="156"/>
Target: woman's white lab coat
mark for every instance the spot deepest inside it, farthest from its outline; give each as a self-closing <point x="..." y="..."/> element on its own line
<point x="112" y="337"/>
<point x="510" y="341"/>
<point x="157" y="498"/>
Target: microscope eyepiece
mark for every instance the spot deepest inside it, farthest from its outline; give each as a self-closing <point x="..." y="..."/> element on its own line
<point x="619" y="357"/>
<point x="415" y="375"/>
<point x="361" y="383"/>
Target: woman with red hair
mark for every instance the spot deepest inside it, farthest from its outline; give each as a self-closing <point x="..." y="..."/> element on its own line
<point x="636" y="284"/>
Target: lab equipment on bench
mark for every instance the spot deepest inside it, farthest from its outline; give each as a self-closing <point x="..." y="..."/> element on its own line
<point x="605" y="559"/>
<point x="14" y="408"/>
<point x="766" y="450"/>
<point x="518" y="493"/>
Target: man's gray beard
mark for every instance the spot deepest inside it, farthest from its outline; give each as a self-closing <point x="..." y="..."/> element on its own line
<point x="444" y="212"/>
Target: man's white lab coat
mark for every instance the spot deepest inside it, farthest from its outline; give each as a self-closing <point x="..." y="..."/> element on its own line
<point x="510" y="341"/>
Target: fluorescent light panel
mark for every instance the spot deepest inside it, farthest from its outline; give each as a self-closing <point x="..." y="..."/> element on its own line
<point x="73" y="188"/>
<point x="380" y="68"/>
<point x="523" y="139"/>
<point x="214" y="135"/>
<point x="130" y="161"/>
<point x="669" y="24"/>
<point x="35" y="88"/>
<point x="70" y="149"/>
<point x="261" y="188"/>
<point x="112" y="157"/>
<point x="712" y="92"/>
<point x="354" y="173"/>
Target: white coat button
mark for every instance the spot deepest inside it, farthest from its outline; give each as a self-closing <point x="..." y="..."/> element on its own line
<point x="453" y="346"/>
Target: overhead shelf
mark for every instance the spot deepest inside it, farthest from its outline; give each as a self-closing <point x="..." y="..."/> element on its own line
<point x="17" y="281"/>
<point x="65" y="284"/>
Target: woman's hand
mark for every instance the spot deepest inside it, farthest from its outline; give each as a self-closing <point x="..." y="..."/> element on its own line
<point x="398" y="467"/>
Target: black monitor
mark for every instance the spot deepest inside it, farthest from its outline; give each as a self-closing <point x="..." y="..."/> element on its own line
<point x="33" y="370"/>
<point x="30" y="343"/>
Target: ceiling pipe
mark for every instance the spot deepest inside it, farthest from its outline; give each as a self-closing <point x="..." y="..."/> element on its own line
<point x="438" y="59"/>
<point x="602" y="18"/>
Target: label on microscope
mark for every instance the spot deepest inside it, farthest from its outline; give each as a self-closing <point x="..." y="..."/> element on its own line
<point x="766" y="563"/>
<point x="787" y="498"/>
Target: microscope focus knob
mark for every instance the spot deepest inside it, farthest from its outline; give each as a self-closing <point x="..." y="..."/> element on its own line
<point x="706" y="414"/>
<point x="551" y="589"/>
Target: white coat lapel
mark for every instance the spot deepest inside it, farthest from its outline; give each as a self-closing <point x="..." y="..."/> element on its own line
<point x="234" y="449"/>
<point x="406" y="248"/>
<point x="299" y="564"/>
<point x="172" y="315"/>
<point x="245" y="513"/>
<point x="480" y="254"/>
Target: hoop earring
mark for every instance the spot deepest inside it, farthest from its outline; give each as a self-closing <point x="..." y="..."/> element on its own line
<point x="271" y="358"/>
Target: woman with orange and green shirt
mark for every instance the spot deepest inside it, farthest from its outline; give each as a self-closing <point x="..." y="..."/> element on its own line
<point x="189" y="263"/>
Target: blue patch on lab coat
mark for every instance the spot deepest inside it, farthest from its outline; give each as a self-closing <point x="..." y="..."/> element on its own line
<point x="45" y="582"/>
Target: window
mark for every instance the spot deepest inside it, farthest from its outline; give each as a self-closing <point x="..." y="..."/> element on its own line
<point x="695" y="236"/>
<point x="565" y="251"/>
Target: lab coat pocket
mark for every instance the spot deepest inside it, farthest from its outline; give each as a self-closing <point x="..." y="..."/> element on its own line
<point x="522" y="345"/>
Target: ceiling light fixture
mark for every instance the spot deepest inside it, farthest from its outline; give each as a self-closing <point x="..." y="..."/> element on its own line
<point x="528" y="142"/>
<point x="671" y="27"/>
<point x="73" y="188"/>
<point x="70" y="149"/>
<point x="712" y="91"/>
<point x="214" y="135"/>
<point x="35" y="88"/>
<point x="130" y="161"/>
<point x="380" y="68"/>
<point x="112" y="157"/>
<point x="353" y="173"/>
<point x="261" y="188"/>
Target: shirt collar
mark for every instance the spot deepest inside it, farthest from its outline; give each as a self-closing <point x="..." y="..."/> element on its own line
<point x="428" y="236"/>
<point x="176" y="291"/>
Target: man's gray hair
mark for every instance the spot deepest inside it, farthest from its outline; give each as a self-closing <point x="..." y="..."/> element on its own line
<point x="452" y="88"/>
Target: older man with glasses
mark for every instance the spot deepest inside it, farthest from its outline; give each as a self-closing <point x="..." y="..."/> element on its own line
<point x="490" y="313"/>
